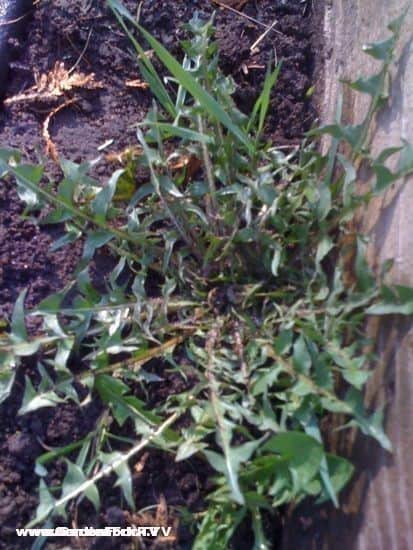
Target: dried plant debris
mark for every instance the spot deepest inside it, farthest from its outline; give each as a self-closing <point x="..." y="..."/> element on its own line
<point x="51" y="149"/>
<point x="137" y="83"/>
<point x="236" y="4"/>
<point x="55" y="84"/>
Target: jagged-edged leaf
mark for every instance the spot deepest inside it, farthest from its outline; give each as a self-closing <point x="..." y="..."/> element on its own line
<point x="384" y="178"/>
<point x="340" y="472"/>
<point x="351" y="134"/>
<point x="123" y="473"/>
<point x="395" y="301"/>
<point x="75" y="478"/>
<point x="7" y="374"/>
<point x="46" y="504"/>
<point x="36" y="399"/>
<point x="372" y="85"/>
<point x="18" y="325"/>
<point x="396" y="25"/>
<point x="369" y="425"/>
<point x="101" y="202"/>
<point x="380" y="50"/>
<point x="405" y="165"/>
<point x="303" y="453"/>
<point x="230" y="463"/>
<point x="301" y="357"/>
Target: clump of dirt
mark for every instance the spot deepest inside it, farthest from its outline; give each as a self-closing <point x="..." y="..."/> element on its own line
<point x="85" y="37"/>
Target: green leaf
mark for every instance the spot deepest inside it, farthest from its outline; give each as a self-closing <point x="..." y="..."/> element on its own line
<point x="34" y="174"/>
<point x="230" y="464"/>
<point x="263" y="102"/>
<point x="396" y="301"/>
<point x="380" y="50"/>
<point x="372" y="85"/>
<point x="373" y="425"/>
<point x="7" y="375"/>
<point x="324" y="201"/>
<point x="218" y="526"/>
<point x="18" y="326"/>
<point x="170" y="130"/>
<point x="187" y="81"/>
<point x="304" y="455"/>
<point x="146" y="68"/>
<point x="95" y="239"/>
<point x="34" y="400"/>
<point x="351" y="134"/>
<point x="123" y="472"/>
<point x="365" y="277"/>
<point x="283" y="342"/>
<point x="384" y="178"/>
<point x="405" y="165"/>
<point x="301" y="357"/>
<point x="340" y="472"/>
<point x="276" y="260"/>
<point x="101" y="202"/>
<point x="396" y="25"/>
<point x="74" y="478"/>
<point x="324" y="247"/>
<point x="46" y="505"/>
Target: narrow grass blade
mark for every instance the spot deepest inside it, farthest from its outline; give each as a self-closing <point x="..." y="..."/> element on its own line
<point x="263" y="102"/>
<point x="185" y="79"/>
<point x="146" y="68"/>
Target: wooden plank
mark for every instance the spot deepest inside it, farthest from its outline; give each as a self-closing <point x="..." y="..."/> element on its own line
<point x="377" y="511"/>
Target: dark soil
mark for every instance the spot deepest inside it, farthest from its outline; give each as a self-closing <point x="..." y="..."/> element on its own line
<point x="59" y="31"/>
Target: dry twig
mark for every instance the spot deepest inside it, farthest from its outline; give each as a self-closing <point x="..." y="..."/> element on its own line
<point x="245" y="16"/>
<point x="51" y="148"/>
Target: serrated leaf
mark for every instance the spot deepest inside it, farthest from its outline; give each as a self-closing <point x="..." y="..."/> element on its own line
<point x="340" y="472"/>
<point x="304" y="454"/>
<point x="75" y="478"/>
<point x="18" y="325"/>
<point x="33" y="400"/>
<point x="123" y="473"/>
<point x="230" y="463"/>
<point x="405" y="164"/>
<point x="103" y="199"/>
<point x="46" y="504"/>
<point x="384" y="178"/>
<point x="323" y="248"/>
<point x="396" y="25"/>
<point x="301" y="357"/>
<point x="373" y="425"/>
<point x="7" y="378"/>
<point x="380" y="50"/>
<point x="371" y="85"/>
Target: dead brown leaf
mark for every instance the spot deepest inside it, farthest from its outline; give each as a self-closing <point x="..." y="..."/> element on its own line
<point x="348" y="245"/>
<point x="161" y="517"/>
<point x="127" y="154"/>
<point x="139" y="84"/>
<point x="140" y="465"/>
<point x="54" y="84"/>
<point x="190" y="163"/>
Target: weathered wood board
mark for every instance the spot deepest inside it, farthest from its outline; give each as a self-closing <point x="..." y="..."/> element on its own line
<point x="377" y="509"/>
